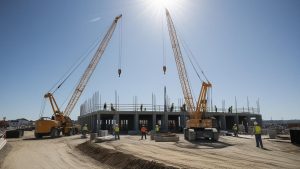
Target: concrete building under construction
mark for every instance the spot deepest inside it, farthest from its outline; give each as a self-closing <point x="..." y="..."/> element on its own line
<point x="172" y="118"/>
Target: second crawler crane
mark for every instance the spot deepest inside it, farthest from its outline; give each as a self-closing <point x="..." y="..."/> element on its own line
<point x="198" y="126"/>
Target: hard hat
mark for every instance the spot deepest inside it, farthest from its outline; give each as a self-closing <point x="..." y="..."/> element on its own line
<point x="255" y="123"/>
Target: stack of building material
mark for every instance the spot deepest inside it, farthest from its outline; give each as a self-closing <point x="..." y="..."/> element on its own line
<point x="166" y="137"/>
<point x="295" y="135"/>
<point x="103" y="139"/>
<point x="14" y="133"/>
<point x="2" y="139"/>
<point x="272" y="133"/>
<point x="93" y="136"/>
<point x="102" y="133"/>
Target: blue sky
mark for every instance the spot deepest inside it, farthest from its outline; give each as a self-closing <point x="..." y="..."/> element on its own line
<point x="246" y="48"/>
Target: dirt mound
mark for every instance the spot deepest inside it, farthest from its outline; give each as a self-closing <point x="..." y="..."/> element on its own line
<point x="118" y="159"/>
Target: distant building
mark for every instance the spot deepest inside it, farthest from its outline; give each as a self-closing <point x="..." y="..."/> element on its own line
<point x="20" y="123"/>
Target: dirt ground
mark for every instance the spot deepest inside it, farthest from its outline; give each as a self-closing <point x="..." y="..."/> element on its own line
<point x="29" y="153"/>
<point x="229" y="152"/>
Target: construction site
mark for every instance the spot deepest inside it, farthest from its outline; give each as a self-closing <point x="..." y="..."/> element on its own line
<point x="170" y="118"/>
<point x="192" y="134"/>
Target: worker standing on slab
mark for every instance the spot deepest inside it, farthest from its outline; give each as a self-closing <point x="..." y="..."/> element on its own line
<point x="235" y="130"/>
<point x="117" y="132"/>
<point x="144" y="132"/>
<point x="84" y="131"/>
<point x="257" y="132"/>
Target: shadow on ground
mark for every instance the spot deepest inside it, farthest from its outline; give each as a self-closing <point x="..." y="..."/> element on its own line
<point x="203" y="144"/>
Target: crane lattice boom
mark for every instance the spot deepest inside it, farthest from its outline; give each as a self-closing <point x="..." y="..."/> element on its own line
<point x="180" y="65"/>
<point x="91" y="67"/>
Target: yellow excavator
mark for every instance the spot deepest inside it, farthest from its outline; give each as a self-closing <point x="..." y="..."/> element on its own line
<point x="198" y="126"/>
<point x="60" y="121"/>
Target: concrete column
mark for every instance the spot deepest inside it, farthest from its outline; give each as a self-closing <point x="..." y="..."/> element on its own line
<point x="248" y="120"/>
<point x="98" y="121"/>
<point x="117" y="117"/>
<point x="223" y="122"/>
<point x="136" y="122"/>
<point x="153" y="121"/>
<point x="92" y="123"/>
<point x="166" y="121"/>
<point x="182" y="120"/>
<point x="259" y="120"/>
<point x="95" y="123"/>
<point x="236" y="119"/>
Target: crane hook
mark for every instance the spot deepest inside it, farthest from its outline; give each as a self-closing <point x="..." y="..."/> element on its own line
<point x="164" y="69"/>
<point x="119" y="72"/>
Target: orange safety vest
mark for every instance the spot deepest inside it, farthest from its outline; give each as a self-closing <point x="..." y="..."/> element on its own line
<point x="143" y="129"/>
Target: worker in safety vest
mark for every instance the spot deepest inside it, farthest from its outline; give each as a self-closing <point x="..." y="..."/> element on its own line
<point x="235" y="130"/>
<point x="84" y="130"/>
<point x="257" y="132"/>
<point x="156" y="129"/>
<point x="144" y="132"/>
<point x="117" y="132"/>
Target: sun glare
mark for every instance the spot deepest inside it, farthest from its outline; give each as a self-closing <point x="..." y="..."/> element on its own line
<point x="162" y="4"/>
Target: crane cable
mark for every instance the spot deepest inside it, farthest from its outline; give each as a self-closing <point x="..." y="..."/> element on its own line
<point x="184" y="47"/>
<point x="76" y="64"/>
<point x="43" y="107"/>
<point x="163" y="44"/>
<point x="189" y="52"/>
<point x="120" y="47"/>
<point x="92" y="47"/>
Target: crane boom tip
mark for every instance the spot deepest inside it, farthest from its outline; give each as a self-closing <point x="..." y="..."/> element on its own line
<point x="118" y="17"/>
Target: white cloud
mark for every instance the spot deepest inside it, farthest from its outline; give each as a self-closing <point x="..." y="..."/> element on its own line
<point x="95" y="19"/>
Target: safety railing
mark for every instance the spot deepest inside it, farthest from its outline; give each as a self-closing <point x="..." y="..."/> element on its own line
<point x="85" y="109"/>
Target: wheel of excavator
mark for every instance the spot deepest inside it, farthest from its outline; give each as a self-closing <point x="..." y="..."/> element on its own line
<point x="37" y="135"/>
<point x="54" y="133"/>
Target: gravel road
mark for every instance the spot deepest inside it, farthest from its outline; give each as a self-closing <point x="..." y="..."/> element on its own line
<point x="47" y="153"/>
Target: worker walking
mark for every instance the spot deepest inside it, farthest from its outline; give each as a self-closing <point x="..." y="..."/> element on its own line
<point x="84" y="131"/>
<point x="156" y="129"/>
<point x="257" y="132"/>
<point x="144" y="132"/>
<point x="235" y="130"/>
<point x="117" y="132"/>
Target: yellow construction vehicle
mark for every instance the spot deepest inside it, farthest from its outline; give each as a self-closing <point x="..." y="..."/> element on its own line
<point x="60" y="121"/>
<point x="197" y="126"/>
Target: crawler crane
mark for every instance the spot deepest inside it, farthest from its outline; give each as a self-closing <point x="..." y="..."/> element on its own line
<point x="60" y="121"/>
<point x="198" y="126"/>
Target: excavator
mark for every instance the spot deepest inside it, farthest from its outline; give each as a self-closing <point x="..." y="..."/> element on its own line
<point x="197" y="126"/>
<point x="60" y="121"/>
